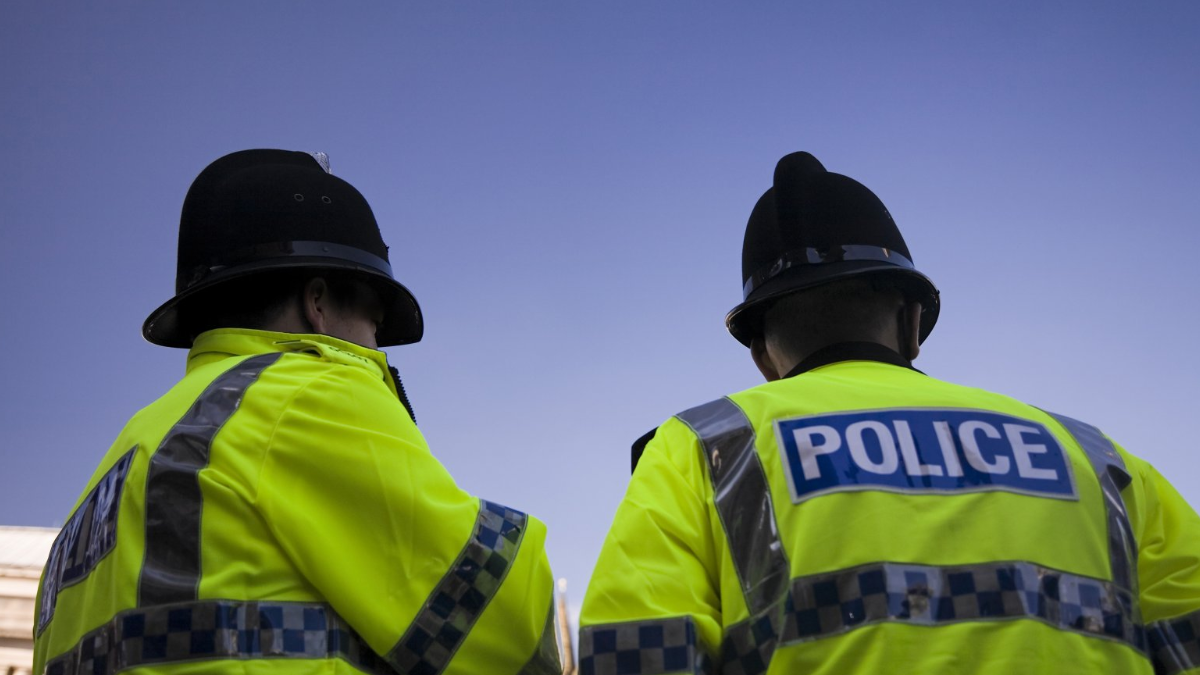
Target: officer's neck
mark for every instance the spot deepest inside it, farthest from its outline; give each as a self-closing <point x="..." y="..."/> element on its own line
<point x="897" y="342"/>
<point x="849" y="351"/>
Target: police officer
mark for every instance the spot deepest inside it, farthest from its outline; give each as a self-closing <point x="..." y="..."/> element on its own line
<point x="854" y="515"/>
<point x="277" y="510"/>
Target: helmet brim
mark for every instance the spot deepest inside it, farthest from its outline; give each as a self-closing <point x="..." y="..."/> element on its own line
<point x="744" y="321"/>
<point x="402" y="321"/>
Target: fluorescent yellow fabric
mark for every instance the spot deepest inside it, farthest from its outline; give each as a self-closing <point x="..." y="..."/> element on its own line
<point x="319" y="489"/>
<point x="667" y="554"/>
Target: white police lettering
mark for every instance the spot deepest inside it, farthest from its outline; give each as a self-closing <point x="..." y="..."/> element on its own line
<point x="1022" y="451"/>
<point x="924" y="451"/>
<point x="908" y="449"/>
<point x="946" y="443"/>
<point x="966" y="434"/>
<point x="858" y="449"/>
<point x="831" y="441"/>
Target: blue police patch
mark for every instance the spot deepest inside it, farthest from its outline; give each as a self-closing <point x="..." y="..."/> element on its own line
<point x="922" y="451"/>
<point x="88" y="536"/>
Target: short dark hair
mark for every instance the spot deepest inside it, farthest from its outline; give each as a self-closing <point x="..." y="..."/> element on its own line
<point x="258" y="301"/>
<point x="860" y="309"/>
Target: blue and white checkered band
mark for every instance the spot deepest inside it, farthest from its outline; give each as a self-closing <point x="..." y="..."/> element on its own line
<point x="807" y="257"/>
<point x="460" y="597"/>
<point x="1175" y="644"/>
<point x="643" y="648"/>
<point x="825" y="605"/>
<point x="89" y="535"/>
<point x="922" y="451"/>
<point x="217" y="630"/>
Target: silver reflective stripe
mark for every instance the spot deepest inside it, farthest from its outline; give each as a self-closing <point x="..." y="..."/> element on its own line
<point x="1110" y="470"/>
<point x="805" y="257"/>
<point x="826" y="605"/>
<point x="743" y="500"/>
<point x="545" y="659"/>
<point x="1175" y="644"/>
<point x="653" y="647"/>
<point x="171" y="569"/>
<point x="461" y="596"/>
<point x="219" y="629"/>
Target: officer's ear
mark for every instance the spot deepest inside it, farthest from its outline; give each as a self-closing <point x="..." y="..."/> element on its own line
<point x="910" y="330"/>
<point x="758" y="352"/>
<point x="316" y="304"/>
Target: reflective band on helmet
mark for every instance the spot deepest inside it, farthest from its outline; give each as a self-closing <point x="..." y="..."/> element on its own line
<point x="1110" y="471"/>
<point x="1175" y="644"/>
<point x="830" y="604"/>
<point x="210" y="630"/>
<point x="291" y="249"/>
<point x="545" y="659"/>
<point x="743" y="499"/>
<point x="171" y="569"/>
<point x="643" y="647"/>
<point x="827" y="254"/>
<point x="461" y="595"/>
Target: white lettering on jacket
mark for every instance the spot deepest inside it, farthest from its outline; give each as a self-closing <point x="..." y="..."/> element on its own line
<point x="922" y="450"/>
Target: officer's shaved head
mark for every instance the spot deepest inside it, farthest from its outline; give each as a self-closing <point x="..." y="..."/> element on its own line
<point x="263" y="302"/>
<point x="859" y="309"/>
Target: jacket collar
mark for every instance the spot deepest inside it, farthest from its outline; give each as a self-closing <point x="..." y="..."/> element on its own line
<point x="222" y="343"/>
<point x="850" y="351"/>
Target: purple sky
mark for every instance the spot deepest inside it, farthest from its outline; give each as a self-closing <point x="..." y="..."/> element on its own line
<point x="564" y="186"/>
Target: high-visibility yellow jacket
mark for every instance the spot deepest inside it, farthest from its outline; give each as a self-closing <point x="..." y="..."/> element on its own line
<point x="278" y="511"/>
<point x="862" y="517"/>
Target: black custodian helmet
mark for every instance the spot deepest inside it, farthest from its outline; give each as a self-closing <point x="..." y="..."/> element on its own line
<point x="813" y="227"/>
<point x="256" y="212"/>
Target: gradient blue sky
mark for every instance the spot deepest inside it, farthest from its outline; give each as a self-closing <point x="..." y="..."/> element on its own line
<point x="565" y="185"/>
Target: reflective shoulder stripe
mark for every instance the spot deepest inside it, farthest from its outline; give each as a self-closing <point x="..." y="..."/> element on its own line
<point x="171" y="569"/>
<point x="652" y="647"/>
<point x="545" y="659"/>
<point x="211" y="630"/>
<point x="826" y="605"/>
<point x="1175" y="644"/>
<point x="743" y="499"/>
<point x="1110" y="471"/>
<point x="463" y="593"/>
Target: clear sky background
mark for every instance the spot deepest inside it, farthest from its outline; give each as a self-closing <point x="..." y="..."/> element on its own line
<point x="565" y="185"/>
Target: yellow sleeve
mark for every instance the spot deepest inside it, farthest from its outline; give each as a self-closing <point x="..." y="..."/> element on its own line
<point x="420" y="569"/>
<point x="1168" y="550"/>
<point x="655" y="586"/>
<point x="1168" y="571"/>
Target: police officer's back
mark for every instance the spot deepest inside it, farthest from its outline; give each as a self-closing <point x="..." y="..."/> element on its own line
<point x="853" y="515"/>
<point x="278" y="510"/>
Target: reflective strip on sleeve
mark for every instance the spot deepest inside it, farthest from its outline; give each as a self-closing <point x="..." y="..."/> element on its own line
<point x="171" y="569"/>
<point x="545" y="659"/>
<point x="460" y="597"/>
<point x="1175" y="644"/>
<point x="743" y="500"/>
<point x="652" y="647"/>
<point x="1110" y="471"/>
<point x="825" y="605"/>
<point x="210" y="630"/>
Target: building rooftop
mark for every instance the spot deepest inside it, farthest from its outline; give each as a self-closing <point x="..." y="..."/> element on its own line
<point x="25" y="548"/>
